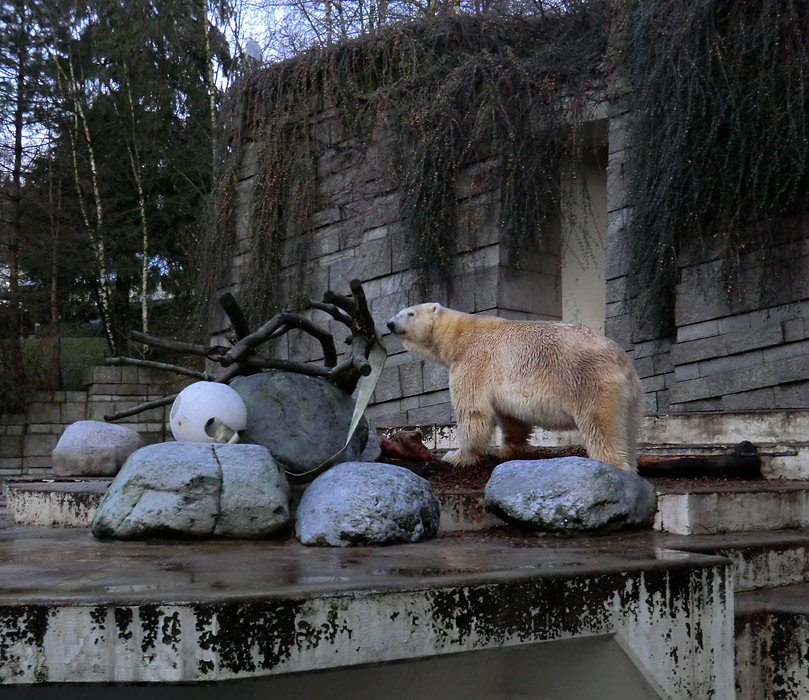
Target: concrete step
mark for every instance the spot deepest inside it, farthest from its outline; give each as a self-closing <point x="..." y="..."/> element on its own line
<point x="690" y="508"/>
<point x="772" y="644"/>
<point x="761" y="560"/>
<point x="56" y="502"/>
<point x="694" y="508"/>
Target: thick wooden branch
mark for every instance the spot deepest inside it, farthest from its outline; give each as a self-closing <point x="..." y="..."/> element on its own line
<point x="156" y="365"/>
<point x="333" y="311"/>
<point x="241" y="359"/>
<point x="360" y="347"/>
<point x="341" y="301"/>
<point x="363" y="319"/>
<point x="234" y="312"/>
<point x="125" y="413"/>
<point x="267" y="331"/>
<point x="261" y="362"/>
<point x="743" y="462"/>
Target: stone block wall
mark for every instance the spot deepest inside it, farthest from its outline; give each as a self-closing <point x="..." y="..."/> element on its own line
<point x="749" y="351"/>
<point x="650" y="356"/>
<point x="358" y="232"/>
<point x="730" y="353"/>
<point x="748" y="355"/>
<point x="27" y="439"/>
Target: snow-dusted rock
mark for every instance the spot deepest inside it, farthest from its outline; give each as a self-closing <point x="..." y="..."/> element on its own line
<point x="570" y="494"/>
<point x="367" y="503"/>
<point x="93" y="448"/>
<point x="195" y="489"/>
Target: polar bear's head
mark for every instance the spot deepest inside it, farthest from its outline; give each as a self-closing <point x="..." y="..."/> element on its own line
<point x="414" y="325"/>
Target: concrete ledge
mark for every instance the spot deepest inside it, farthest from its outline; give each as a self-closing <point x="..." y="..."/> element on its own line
<point x="83" y="611"/>
<point x="733" y="507"/>
<point x="55" y="502"/>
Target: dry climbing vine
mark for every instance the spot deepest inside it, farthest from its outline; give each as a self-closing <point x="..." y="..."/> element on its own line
<point x="719" y="157"/>
<point x="720" y="148"/>
<point x="449" y="92"/>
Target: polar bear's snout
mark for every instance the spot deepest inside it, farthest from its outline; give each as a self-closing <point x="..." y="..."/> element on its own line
<point x="392" y="327"/>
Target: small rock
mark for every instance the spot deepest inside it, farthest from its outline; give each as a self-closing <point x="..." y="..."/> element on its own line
<point x="570" y="494"/>
<point x="195" y="489"/>
<point x="373" y="448"/>
<point x="93" y="448"/>
<point x="301" y="420"/>
<point x="367" y="503"/>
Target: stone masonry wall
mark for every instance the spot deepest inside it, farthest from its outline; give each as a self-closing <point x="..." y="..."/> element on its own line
<point x="27" y="439"/>
<point x="751" y="353"/>
<point x="357" y="232"/>
<point x="651" y="357"/>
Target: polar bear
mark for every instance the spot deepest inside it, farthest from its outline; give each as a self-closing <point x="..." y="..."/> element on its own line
<point x="521" y="374"/>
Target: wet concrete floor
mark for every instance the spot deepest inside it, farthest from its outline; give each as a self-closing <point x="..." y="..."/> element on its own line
<point x="70" y="566"/>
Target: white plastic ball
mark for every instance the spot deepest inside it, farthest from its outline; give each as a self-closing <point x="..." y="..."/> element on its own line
<point x="208" y="412"/>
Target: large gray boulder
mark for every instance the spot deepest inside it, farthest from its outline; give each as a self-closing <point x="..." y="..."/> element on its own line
<point x="570" y="494"/>
<point x="195" y="489"/>
<point x="367" y="503"/>
<point x="93" y="448"/>
<point x="301" y="420"/>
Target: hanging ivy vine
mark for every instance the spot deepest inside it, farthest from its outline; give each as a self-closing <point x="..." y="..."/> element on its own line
<point x="720" y="147"/>
<point x="719" y="157"/>
<point x="449" y="93"/>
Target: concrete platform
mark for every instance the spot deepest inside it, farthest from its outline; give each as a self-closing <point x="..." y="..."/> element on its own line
<point x="734" y="506"/>
<point x="772" y="643"/>
<point x="77" y="610"/>
<point x="55" y="502"/>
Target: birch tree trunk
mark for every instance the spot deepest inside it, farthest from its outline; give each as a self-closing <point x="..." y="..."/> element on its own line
<point x="135" y="163"/>
<point x="210" y="84"/>
<point x="16" y="210"/>
<point x="95" y="231"/>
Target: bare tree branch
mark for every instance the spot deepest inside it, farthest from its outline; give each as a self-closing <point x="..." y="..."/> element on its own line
<point x="241" y="359"/>
<point x="269" y="330"/>
<point x="151" y="364"/>
<point x="173" y="345"/>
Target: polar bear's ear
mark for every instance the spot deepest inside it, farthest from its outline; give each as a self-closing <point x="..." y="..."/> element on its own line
<point x="434" y="307"/>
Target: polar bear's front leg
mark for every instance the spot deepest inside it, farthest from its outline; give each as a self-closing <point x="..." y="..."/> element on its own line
<point x="475" y="430"/>
<point x="515" y="437"/>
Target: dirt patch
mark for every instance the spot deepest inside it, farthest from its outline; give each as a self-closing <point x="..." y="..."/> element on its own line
<point x="445" y="477"/>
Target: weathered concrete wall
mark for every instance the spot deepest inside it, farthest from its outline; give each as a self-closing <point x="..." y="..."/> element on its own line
<point x="771" y="651"/>
<point x="358" y="232"/>
<point x="673" y="617"/>
<point x="27" y="439"/>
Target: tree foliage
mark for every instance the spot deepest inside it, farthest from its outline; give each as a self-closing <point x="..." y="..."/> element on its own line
<point x="101" y="209"/>
<point x="131" y="117"/>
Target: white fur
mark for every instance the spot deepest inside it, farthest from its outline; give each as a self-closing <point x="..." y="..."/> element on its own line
<point x="521" y="374"/>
